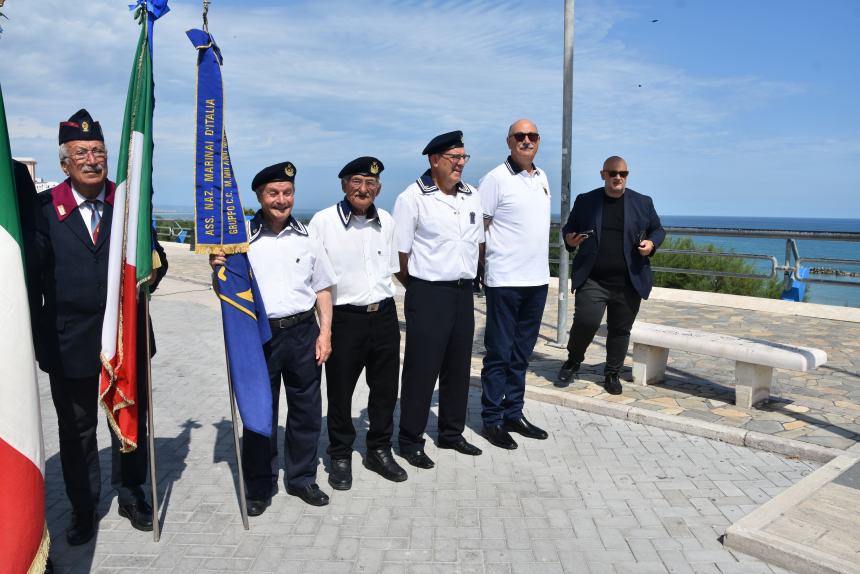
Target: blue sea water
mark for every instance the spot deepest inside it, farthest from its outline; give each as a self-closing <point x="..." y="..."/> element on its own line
<point x="817" y="293"/>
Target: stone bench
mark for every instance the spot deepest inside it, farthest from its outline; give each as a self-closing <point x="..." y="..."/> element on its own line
<point x="754" y="359"/>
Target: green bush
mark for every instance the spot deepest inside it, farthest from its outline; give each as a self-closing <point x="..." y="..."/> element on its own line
<point x="768" y="288"/>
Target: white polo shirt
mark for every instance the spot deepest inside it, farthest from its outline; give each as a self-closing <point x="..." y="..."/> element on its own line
<point x="361" y="250"/>
<point x="290" y="268"/>
<point x="518" y="203"/>
<point x="440" y="232"/>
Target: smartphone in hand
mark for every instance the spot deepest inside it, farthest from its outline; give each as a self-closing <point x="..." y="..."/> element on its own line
<point x="587" y="233"/>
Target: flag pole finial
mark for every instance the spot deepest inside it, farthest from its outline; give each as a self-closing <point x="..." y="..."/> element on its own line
<point x="206" y="15"/>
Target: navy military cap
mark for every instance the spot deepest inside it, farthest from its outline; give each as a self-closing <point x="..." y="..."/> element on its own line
<point x="444" y="142"/>
<point x="365" y="165"/>
<point x="284" y="171"/>
<point x="80" y="126"/>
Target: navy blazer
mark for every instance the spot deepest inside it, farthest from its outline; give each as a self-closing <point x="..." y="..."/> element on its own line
<point x="70" y="279"/>
<point x="640" y="222"/>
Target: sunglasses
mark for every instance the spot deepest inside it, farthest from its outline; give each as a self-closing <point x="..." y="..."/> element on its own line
<point x="521" y="136"/>
<point x="614" y="173"/>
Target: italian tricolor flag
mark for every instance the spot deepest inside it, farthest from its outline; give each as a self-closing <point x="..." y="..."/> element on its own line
<point x="23" y="535"/>
<point x="131" y="255"/>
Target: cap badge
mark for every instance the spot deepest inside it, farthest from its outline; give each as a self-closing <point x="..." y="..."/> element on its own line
<point x="374" y="168"/>
<point x="85" y="126"/>
<point x="289" y="170"/>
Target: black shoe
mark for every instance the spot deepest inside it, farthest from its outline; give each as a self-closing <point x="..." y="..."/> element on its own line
<point x="82" y="528"/>
<point x="139" y="513"/>
<point x="382" y="462"/>
<point x="257" y="506"/>
<point x="311" y="494"/>
<point x="612" y="384"/>
<point x="525" y="428"/>
<point x="420" y="459"/>
<point x="340" y="473"/>
<point x="496" y="435"/>
<point x="462" y="446"/>
<point x="565" y="373"/>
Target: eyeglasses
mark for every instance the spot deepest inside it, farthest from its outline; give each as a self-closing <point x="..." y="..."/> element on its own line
<point x="456" y="158"/>
<point x="521" y="136"/>
<point x="81" y="154"/>
<point x="614" y="173"/>
<point x="370" y="184"/>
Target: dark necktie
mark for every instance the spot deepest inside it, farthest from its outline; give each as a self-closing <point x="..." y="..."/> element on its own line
<point x="95" y="218"/>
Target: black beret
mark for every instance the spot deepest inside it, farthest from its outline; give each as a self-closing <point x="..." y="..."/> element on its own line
<point x="80" y="126"/>
<point x="444" y="142"/>
<point x="365" y="165"/>
<point x="284" y="171"/>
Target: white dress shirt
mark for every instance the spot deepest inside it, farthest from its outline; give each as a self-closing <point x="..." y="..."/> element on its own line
<point x="361" y="250"/>
<point x="290" y="268"/>
<point x="440" y="232"/>
<point x="86" y="208"/>
<point x="518" y="204"/>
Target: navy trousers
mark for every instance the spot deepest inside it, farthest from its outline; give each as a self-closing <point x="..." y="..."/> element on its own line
<point x="76" y="403"/>
<point x="440" y="325"/>
<point x="369" y="341"/>
<point x="513" y="322"/>
<point x="289" y="355"/>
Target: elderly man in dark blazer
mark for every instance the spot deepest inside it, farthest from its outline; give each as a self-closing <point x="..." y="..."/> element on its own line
<point x="69" y="274"/>
<point x="614" y="230"/>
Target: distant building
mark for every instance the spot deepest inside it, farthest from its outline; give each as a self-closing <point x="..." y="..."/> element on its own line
<point x="41" y="184"/>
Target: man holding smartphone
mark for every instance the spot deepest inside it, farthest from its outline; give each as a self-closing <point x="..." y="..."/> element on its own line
<point x="614" y="230"/>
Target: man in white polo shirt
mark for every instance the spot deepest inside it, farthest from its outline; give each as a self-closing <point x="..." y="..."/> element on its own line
<point x="515" y="200"/>
<point x="359" y="240"/>
<point x="439" y="233"/>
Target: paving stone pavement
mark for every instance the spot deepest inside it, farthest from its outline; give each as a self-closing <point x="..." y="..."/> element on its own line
<point x="600" y="495"/>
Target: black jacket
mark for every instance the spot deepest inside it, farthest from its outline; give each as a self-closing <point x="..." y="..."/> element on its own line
<point x="640" y="221"/>
<point x="70" y="277"/>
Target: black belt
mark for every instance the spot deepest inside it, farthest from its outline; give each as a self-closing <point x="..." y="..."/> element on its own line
<point x="372" y="308"/>
<point x="454" y="283"/>
<point x="290" y="320"/>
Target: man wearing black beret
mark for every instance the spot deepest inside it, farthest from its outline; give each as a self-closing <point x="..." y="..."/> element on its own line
<point x="295" y="277"/>
<point x="440" y="231"/>
<point x="72" y="240"/>
<point x="359" y="240"/>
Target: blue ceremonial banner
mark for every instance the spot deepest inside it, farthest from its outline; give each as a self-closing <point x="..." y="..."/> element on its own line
<point x="246" y="330"/>
<point x="218" y="216"/>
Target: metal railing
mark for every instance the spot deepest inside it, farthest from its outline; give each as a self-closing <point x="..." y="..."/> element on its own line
<point x="791" y="267"/>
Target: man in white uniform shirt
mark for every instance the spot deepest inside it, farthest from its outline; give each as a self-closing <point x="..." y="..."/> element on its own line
<point x="516" y="202"/>
<point x="359" y="240"/>
<point x="439" y="231"/>
<point x="294" y="276"/>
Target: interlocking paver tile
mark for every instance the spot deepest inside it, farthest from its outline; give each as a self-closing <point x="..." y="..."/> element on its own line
<point x="603" y="494"/>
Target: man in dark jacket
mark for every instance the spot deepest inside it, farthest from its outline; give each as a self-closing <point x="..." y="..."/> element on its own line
<point x="70" y="272"/>
<point x="614" y="231"/>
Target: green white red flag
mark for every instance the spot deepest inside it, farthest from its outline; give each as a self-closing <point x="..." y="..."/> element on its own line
<point x="23" y="535"/>
<point x="131" y="255"/>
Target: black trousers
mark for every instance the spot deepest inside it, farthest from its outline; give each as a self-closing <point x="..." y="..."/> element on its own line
<point x="440" y="325"/>
<point x="621" y="306"/>
<point x="289" y="355"/>
<point x="359" y="341"/>
<point x="76" y="403"/>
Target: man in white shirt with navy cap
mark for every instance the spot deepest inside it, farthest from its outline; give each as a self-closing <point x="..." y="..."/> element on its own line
<point x="295" y="277"/>
<point x="516" y="202"/>
<point x="359" y="240"/>
<point x="439" y="234"/>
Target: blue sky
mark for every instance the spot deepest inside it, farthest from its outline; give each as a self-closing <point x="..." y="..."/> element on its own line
<point x="721" y="108"/>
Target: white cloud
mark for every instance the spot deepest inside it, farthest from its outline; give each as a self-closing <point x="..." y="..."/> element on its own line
<point x="321" y="82"/>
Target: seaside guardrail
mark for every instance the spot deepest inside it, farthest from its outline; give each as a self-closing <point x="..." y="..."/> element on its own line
<point x="791" y="268"/>
<point x="178" y="226"/>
